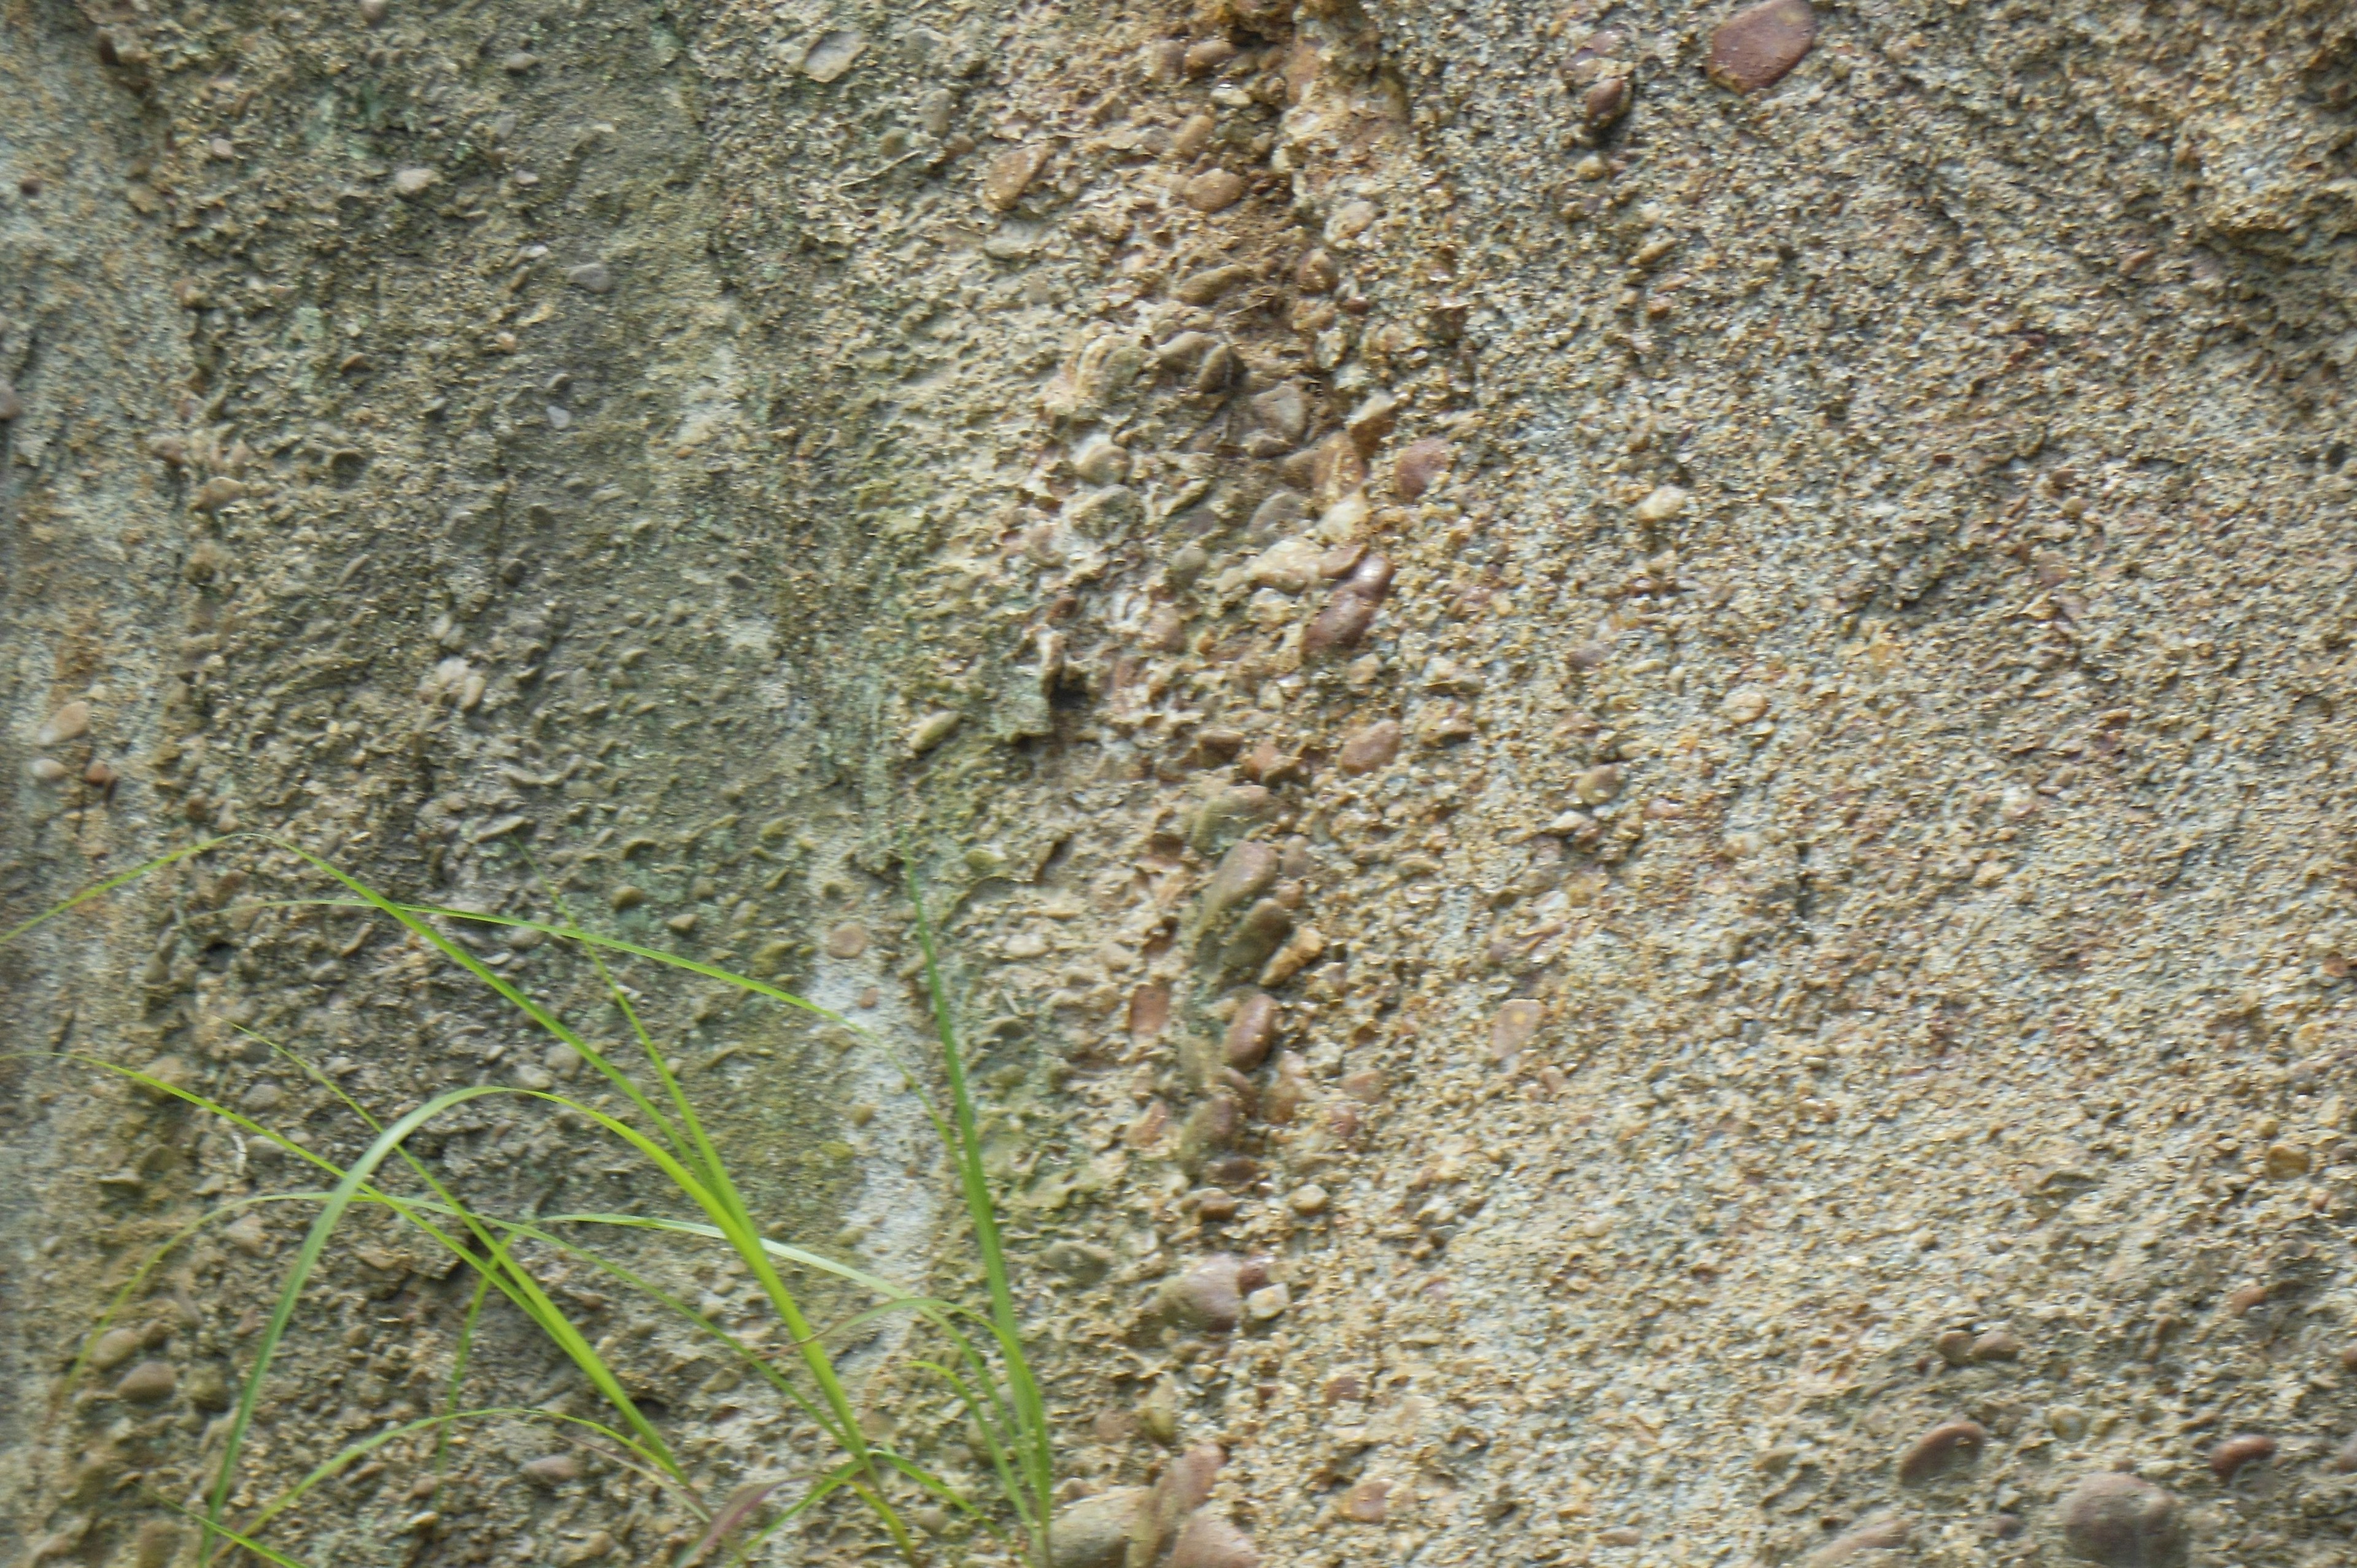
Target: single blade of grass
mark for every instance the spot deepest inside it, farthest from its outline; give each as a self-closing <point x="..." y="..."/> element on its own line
<point x="212" y="1528"/>
<point x="99" y="889"/>
<point x="148" y="1266"/>
<point x="330" y="1468"/>
<point x="306" y="1258"/>
<point x="834" y="1481"/>
<point x="981" y="1213"/>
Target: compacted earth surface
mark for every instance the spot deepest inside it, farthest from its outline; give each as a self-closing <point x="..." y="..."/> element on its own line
<point x="1623" y="721"/>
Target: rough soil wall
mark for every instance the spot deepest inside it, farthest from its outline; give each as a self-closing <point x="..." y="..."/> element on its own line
<point x="1752" y="667"/>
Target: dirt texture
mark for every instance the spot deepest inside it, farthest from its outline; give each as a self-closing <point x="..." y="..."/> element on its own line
<point x="1625" y="721"/>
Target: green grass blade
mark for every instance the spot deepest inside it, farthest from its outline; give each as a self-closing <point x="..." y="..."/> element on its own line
<point x="836" y="1481"/>
<point x="306" y="1259"/>
<point x="99" y="889"/>
<point x="983" y="1214"/>
<point x="497" y="982"/>
<point x="330" y="1468"/>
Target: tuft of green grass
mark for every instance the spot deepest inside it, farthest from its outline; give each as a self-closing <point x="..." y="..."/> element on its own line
<point x="983" y="1364"/>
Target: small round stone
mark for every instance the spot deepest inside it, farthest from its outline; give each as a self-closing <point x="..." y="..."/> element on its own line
<point x="1215" y="190"/>
<point x="1309" y="1200"/>
<point x="1605" y="102"/>
<point x="149" y="1383"/>
<point x="2286" y="1161"/>
<point x="2236" y="1452"/>
<point x="1207" y="54"/>
<point x="1100" y="461"/>
<point x="1744" y="705"/>
<point x="1596" y="784"/>
<point x="932" y="729"/>
<point x="626" y="896"/>
<point x="1210" y="1541"/>
<point x="11" y="406"/>
<point x="413" y="182"/>
<point x="1754" y="48"/>
<point x="591" y="277"/>
<point x="551" y="1469"/>
<point x="1367" y="1502"/>
<point x="1251" y="1032"/>
<point x="846" y="940"/>
<point x="1514" y="1027"/>
<point x="70" y="721"/>
<point x="1206" y="1297"/>
<point x="1663" y="503"/>
<point x="1095" y="1532"/>
<point x="115" y="1347"/>
<point x="1419" y="464"/>
<point x="1944" y="1447"/>
<point x="2123" y="1521"/>
<point x="1996" y="1345"/>
<point x="372" y="12"/>
<point x="50" y="770"/>
<point x="1876" y="1532"/>
<point x="1267" y="1303"/>
<point x="519" y="62"/>
<point x="1374" y="746"/>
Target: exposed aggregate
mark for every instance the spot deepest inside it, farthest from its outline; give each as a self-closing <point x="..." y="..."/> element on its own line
<point x="1626" y="719"/>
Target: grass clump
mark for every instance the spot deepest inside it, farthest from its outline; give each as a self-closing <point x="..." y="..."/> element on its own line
<point x="984" y="1363"/>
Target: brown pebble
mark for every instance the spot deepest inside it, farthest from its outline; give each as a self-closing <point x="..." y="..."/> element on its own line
<point x="626" y="896"/>
<point x="1215" y="190"/>
<point x="1316" y="272"/>
<point x="1366" y="1085"/>
<point x="846" y="940"/>
<point x="1251" y="1032"/>
<point x="1946" y="1446"/>
<point x="1996" y="1345"/>
<point x="1370" y="748"/>
<point x="1620" y="1535"/>
<point x="149" y="1383"/>
<point x="1009" y="174"/>
<point x="1207" y="54"/>
<point x="551" y="1469"/>
<point x="1879" y="1533"/>
<point x="115" y="1347"/>
<point x="1352" y="610"/>
<point x="98" y="774"/>
<point x="1094" y="1531"/>
<point x="2236" y="1452"/>
<point x="2004" y="1526"/>
<point x="70" y="721"/>
<point x="1369" y="1502"/>
<point x="1206" y="1295"/>
<point x="2122" y="1521"/>
<point x="1210" y="1541"/>
<point x="2241" y="1298"/>
<point x="1754" y="48"/>
<point x="11" y="406"/>
<point x="2344" y="1458"/>
<point x="1605" y="102"/>
<point x="1184" y="1487"/>
<point x="1514" y="1027"/>
<point x="2286" y="1161"/>
<point x="2348" y="1358"/>
<point x="1419" y="464"/>
<point x="1149" y="1010"/>
<point x="1244" y="872"/>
